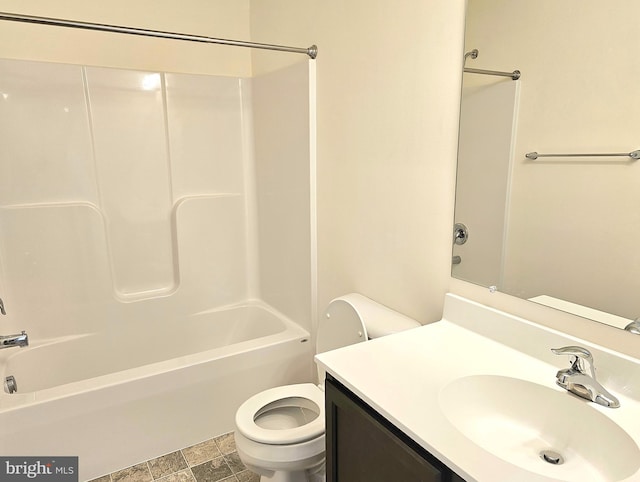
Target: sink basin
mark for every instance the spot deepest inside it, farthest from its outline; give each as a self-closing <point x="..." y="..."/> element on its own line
<point x="517" y="421"/>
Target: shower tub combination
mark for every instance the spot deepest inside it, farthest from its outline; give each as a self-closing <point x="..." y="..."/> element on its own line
<point x="123" y="404"/>
<point x="155" y="246"/>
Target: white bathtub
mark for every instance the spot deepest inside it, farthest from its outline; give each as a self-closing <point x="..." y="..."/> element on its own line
<point x="116" y="399"/>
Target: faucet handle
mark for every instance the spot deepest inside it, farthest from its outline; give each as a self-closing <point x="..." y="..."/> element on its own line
<point x="580" y="355"/>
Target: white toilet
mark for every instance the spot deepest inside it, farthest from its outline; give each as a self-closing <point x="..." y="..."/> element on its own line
<point x="280" y="432"/>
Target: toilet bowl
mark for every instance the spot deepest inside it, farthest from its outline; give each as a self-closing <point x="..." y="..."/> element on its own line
<point x="280" y="432"/>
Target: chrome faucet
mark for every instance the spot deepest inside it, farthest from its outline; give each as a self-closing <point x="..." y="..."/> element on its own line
<point x="577" y="379"/>
<point x="633" y="327"/>
<point x="10" y="341"/>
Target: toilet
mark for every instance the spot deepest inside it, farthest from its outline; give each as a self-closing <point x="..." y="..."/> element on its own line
<point x="280" y="431"/>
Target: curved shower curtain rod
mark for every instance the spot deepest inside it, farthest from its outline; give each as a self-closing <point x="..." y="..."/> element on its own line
<point x="312" y="51"/>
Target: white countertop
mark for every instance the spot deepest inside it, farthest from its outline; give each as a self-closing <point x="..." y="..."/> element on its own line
<point x="402" y="376"/>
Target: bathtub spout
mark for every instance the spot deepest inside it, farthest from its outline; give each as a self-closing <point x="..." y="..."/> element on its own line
<point x="10" y="341"/>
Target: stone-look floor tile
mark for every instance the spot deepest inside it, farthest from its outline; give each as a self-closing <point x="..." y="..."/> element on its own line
<point x="167" y="464"/>
<point x="182" y="476"/>
<point x="234" y="462"/>
<point x="104" y="478"/>
<point x="202" y="452"/>
<point x="137" y="473"/>
<point x="213" y="471"/>
<point x="226" y="443"/>
<point x="248" y="476"/>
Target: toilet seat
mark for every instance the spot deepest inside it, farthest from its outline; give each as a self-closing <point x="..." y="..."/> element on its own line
<point x="304" y="395"/>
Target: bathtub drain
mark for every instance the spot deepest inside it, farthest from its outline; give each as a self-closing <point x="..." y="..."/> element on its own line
<point x="10" y="384"/>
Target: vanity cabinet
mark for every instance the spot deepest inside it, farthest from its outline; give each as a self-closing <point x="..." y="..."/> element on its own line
<point x="363" y="446"/>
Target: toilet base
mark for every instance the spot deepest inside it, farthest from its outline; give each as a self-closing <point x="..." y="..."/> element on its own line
<point x="303" y="462"/>
<point x="310" y="475"/>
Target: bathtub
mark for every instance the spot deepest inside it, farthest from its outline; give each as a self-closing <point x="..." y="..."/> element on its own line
<point x="116" y="399"/>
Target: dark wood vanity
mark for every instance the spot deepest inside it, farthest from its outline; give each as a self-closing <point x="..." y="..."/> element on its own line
<point x="363" y="446"/>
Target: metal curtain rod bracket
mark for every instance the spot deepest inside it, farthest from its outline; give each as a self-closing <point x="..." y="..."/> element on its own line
<point x="312" y="51"/>
<point x="632" y="155"/>
<point x="515" y="75"/>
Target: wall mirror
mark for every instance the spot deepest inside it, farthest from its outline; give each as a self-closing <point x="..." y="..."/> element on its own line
<point x="560" y="227"/>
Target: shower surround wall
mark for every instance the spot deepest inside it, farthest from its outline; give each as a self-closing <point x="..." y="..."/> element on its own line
<point x="155" y="243"/>
<point x="488" y="117"/>
<point x="125" y="191"/>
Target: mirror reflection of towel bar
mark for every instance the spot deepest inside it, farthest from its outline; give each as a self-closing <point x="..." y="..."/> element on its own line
<point x="633" y="155"/>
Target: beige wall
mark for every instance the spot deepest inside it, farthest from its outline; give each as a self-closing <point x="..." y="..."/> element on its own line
<point x="388" y="88"/>
<point x="388" y="93"/>
<point x="387" y="128"/>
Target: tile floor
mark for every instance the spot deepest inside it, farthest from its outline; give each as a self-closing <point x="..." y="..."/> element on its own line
<point x="214" y="460"/>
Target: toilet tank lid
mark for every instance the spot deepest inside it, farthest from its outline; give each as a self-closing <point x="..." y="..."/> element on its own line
<point x="377" y="318"/>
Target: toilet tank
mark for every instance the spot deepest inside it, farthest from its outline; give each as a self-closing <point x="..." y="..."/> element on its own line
<point x="354" y="318"/>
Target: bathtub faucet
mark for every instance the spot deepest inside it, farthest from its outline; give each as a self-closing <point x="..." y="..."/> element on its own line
<point x="10" y="341"/>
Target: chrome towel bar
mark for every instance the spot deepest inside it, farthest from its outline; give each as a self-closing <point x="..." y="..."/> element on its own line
<point x="632" y="155"/>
